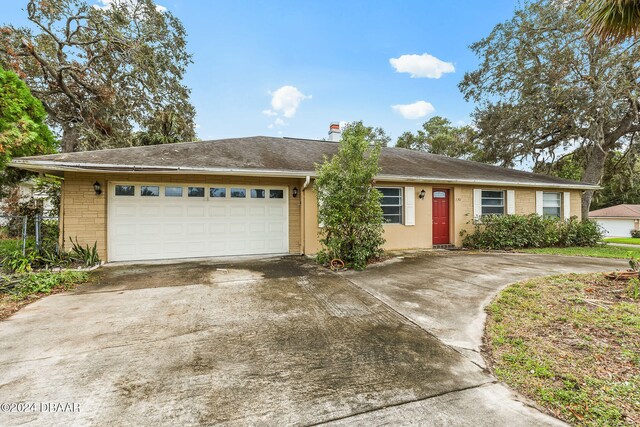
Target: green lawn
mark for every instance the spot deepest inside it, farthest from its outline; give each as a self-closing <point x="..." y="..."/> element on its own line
<point x="602" y="251"/>
<point x="625" y="240"/>
<point x="571" y="343"/>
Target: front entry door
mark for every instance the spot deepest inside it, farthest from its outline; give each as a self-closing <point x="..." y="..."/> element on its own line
<point x="440" y="217"/>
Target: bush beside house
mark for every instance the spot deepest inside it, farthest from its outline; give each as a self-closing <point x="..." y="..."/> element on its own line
<point x="530" y="231"/>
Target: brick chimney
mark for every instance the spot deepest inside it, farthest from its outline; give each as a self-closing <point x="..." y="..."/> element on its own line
<point x="335" y="134"/>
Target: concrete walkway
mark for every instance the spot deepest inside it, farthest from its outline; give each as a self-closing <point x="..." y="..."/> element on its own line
<point x="269" y="342"/>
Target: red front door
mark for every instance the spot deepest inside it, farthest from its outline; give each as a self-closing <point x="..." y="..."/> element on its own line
<point x="440" y="217"/>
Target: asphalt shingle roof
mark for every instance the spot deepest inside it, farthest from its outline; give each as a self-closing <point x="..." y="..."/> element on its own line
<point x="286" y="156"/>
<point x="620" y="211"/>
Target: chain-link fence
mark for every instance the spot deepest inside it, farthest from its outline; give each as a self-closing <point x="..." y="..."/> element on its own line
<point x="22" y="232"/>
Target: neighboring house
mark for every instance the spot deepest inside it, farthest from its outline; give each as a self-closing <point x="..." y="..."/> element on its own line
<point x="255" y="196"/>
<point x="619" y="220"/>
<point x="27" y="189"/>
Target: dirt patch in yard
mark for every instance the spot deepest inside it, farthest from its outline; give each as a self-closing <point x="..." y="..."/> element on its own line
<point x="571" y="343"/>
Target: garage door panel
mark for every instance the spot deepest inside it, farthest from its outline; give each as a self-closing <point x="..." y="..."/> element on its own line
<point x="173" y="211"/>
<point x="276" y="211"/>
<point x="195" y="211"/>
<point x="175" y="227"/>
<point x="218" y="211"/>
<point x="237" y="211"/>
<point x="617" y="227"/>
<point x="126" y="211"/>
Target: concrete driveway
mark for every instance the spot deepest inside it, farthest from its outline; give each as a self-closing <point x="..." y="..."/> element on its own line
<point x="268" y="342"/>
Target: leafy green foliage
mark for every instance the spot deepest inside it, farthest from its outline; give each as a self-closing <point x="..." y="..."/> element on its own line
<point x="102" y="72"/>
<point x="543" y="88"/>
<point x="635" y="234"/>
<point x="349" y="205"/>
<point x="439" y="136"/>
<point x="530" y="231"/>
<point x="22" y="286"/>
<point x="23" y="131"/>
<point x="18" y="263"/>
<point x="88" y="255"/>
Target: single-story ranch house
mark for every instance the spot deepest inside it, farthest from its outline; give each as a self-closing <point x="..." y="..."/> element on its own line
<point x="255" y="196"/>
<point x="619" y="220"/>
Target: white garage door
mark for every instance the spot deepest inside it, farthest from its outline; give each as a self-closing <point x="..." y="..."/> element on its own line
<point x="617" y="227"/>
<point x="159" y="221"/>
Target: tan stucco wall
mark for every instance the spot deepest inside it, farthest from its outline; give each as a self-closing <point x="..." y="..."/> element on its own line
<point x="84" y="214"/>
<point x="420" y="235"/>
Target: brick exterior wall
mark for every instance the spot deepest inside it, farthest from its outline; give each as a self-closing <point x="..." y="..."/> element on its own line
<point x="84" y="214"/>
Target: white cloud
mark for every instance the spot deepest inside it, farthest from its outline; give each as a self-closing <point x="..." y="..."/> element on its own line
<point x="286" y="101"/>
<point x="279" y="122"/>
<point x="106" y="4"/>
<point x="269" y="113"/>
<point x="414" y="111"/>
<point x="424" y="65"/>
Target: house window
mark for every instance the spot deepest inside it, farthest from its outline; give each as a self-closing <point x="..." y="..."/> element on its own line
<point x="257" y="193"/>
<point x="172" y="191"/>
<point x="276" y="194"/>
<point x="217" y="192"/>
<point x="492" y="202"/>
<point x="238" y="193"/>
<point x="551" y="204"/>
<point x="150" y="190"/>
<point x="125" y="190"/>
<point x="391" y="203"/>
<point x="195" y="192"/>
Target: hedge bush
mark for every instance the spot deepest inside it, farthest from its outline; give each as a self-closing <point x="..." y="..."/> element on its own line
<point x="530" y="231"/>
<point x="635" y="234"/>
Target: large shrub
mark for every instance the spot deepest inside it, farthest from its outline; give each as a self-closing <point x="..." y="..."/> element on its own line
<point x="635" y="234"/>
<point x="348" y="204"/>
<point x="530" y="231"/>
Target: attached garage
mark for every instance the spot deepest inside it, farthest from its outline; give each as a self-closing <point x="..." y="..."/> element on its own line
<point x="161" y="221"/>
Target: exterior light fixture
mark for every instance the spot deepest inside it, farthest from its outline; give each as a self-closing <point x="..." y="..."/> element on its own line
<point x="97" y="188"/>
<point x="422" y="194"/>
<point x="294" y="193"/>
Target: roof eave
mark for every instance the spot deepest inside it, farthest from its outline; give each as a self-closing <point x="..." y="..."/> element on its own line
<point x="52" y="167"/>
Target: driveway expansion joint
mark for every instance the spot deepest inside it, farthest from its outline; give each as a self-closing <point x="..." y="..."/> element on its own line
<point x="407" y="402"/>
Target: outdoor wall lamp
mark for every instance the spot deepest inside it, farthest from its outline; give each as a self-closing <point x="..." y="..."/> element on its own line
<point x="422" y="194"/>
<point x="294" y="193"/>
<point x="97" y="188"/>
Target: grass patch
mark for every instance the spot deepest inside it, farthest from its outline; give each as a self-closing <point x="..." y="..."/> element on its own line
<point x="602" y="251"/>
<point x="572" y="344"/>
<point x="625" y="240"/>
<point x="19" y="290"/>
<point x="9" y="245"/>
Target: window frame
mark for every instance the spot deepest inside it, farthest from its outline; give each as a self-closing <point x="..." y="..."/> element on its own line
<point x="401" y="205"/>
<point x="559" y="207"/>
<point x="503" y="205"/>
<point x="115" y="190"/>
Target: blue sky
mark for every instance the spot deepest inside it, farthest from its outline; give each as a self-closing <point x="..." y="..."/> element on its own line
<point x="332" y="58"/>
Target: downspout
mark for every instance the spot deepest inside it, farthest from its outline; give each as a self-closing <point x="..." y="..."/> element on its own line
<point x="303" y="213"/>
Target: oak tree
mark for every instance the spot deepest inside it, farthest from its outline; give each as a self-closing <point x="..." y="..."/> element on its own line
<point x="439" y="136"/>
<point x="101" y="72"/>
<point x="544" y="89"/>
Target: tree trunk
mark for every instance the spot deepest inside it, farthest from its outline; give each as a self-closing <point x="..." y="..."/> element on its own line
<point x="593" y="172"/>
<point x="70" y="136"/>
